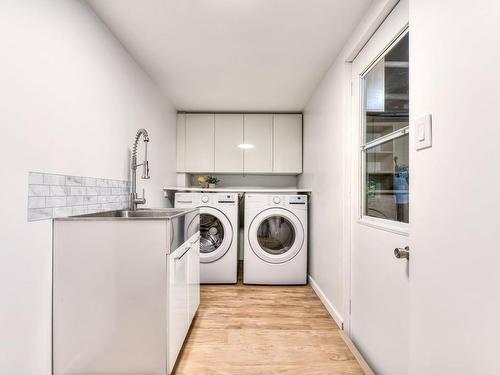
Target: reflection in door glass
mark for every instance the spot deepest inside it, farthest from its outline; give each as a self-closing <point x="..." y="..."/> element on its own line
<point x="387" y="180"/>
<point x="276" y="235"/>
<point x="385" y="145"/>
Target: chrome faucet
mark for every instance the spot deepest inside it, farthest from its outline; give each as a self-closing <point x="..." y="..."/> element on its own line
<point x="134" y="199"/>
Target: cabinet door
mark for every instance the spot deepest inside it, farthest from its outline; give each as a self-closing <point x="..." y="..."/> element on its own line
<point x="199" y="156"/>
<point x="287" y="150"/>
<point x="258" y="133"/>
<point x="178" y="322"/>
<point x="193" y="279"/>
<point x="181" y="141"/>
<point x="228" y="135"/>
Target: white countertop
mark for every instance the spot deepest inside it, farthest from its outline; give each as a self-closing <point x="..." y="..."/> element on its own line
<point x="238" y="190"/>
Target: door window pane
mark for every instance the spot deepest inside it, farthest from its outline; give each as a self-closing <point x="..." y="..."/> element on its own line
<point x="387" y="179"/>
<point x="386" y="93"/>
<point x="386" y="108"/>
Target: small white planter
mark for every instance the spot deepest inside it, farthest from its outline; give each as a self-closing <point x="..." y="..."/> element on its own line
<point x="211" y="186"/>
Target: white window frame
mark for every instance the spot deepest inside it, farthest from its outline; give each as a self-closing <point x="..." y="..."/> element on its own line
<point x="386" y="224"/>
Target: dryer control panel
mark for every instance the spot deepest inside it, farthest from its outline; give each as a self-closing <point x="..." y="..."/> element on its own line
<point x="295" y="201"/>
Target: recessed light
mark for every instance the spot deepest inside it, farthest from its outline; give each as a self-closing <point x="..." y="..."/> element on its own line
<point x="246" y="145"/>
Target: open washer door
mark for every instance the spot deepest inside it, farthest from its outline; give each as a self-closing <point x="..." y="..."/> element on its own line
<point x="216" y="234"/>
<point x="276" y="235"/>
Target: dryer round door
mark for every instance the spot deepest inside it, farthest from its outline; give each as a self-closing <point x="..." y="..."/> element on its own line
<point x="216" y="234"/>
<point x="276" y="235"/>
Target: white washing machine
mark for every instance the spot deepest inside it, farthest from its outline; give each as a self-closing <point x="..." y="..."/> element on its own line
<point x="218" y="234"/>
<point x="275" y="246"/>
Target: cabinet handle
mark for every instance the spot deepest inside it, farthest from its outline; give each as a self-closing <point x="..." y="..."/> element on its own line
<point x="183" y="253"/>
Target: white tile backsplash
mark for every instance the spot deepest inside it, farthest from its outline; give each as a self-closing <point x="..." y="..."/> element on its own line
<point x="55" y="201"/>
<point x="62" y="211"/>
<point x="76" y="200"/>
<point x="52" y="195"/>
<point x="59" y="191"/>
<point x="74" y="181"/>
<point x="80" y="190"/>
<point x="90" y="181"/>
<point x="36" y="202"/>
<point x="38" y="190"/>
<point x="54" y="179"/>
<point x="39" y="214"/>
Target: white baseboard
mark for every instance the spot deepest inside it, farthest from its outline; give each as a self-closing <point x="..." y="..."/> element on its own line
<point x="326" y="302"/>
<point x="340" y="322"/>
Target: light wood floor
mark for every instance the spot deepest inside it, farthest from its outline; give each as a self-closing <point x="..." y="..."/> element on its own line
<point x="251" y="330"/>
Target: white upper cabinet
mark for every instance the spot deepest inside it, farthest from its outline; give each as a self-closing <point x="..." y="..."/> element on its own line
<point x="259" y="134"/>
<point x="199" y="151"/>
<point x="228" y="135"/>
<point x="208" y="143"/>
<point x="287" y="147"/>
<point x="181" y="142"/>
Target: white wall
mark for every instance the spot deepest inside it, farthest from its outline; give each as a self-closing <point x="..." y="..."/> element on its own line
<point x="455" y="236"/>
<point x="238" y="180"/>
<point x="71" y="100"/>
<point x="324" y="174"/>
<point x="326" y="146"/>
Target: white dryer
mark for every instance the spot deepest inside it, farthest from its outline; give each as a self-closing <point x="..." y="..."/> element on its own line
<point x="275" y="246"/>
<point x="218" y="234"/>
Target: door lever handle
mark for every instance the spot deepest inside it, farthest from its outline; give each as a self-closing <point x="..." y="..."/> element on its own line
<point x="402" y="253"/>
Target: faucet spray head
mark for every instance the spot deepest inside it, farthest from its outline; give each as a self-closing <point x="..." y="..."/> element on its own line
<point x="145" y="170"/>
<point x="145" y="164"/>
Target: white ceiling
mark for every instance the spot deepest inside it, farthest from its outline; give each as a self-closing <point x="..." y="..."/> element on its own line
<point x="233" y="55"/>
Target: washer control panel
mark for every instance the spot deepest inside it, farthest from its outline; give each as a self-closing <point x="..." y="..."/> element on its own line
<point x="205" y="198"/>
<point x="227" y="199"/>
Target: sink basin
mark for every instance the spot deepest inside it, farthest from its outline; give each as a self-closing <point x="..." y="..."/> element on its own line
<point x="156" y="213"/>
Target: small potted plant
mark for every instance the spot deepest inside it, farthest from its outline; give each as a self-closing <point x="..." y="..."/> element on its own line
<point x="212" y="181"/>
<point x="202" y="181"/>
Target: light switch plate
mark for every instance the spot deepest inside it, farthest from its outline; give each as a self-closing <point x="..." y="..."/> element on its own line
<point x="423" y="132"/>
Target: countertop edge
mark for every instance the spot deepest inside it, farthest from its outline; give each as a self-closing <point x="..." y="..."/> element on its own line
<point x="89" y="217"/>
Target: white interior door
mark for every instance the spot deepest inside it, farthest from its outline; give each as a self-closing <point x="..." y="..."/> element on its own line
<point x="378" y="322"/>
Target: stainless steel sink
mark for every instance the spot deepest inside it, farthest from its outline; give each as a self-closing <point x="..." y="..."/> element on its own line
<point x="157" y="213"/>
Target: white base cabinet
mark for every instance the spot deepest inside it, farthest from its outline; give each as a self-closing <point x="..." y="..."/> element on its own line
<point x="124" y="293"/>
<point x="208" y="143"/>
<point x="184" y="295"/>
